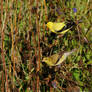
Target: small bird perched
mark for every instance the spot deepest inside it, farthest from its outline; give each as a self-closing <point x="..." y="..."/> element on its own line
<point x="61" y="27"/>
<point x="57" y="59"/>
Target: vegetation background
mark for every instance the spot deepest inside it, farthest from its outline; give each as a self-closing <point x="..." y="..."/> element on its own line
<point x="25" y="40"/>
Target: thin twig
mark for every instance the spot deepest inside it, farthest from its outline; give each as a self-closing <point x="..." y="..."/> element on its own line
<point x="38" y="32"/>
<point x="2" y="41"/>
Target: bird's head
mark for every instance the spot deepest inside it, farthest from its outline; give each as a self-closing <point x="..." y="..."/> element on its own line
<point x="45" y="60"/>
<point x="49" y="24"/>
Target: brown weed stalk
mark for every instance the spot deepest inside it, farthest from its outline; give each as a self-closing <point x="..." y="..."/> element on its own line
<point x="12" y="48"/>
<point x="46" y="16"/>
<point x="38" y="32"/>
<point x="3" y="23"/>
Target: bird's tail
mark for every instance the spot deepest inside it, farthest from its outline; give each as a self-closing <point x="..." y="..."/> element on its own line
<point x="70" y="52"/>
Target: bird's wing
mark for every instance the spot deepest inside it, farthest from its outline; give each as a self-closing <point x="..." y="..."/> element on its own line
<point x="61" y="59"/>
<point x="58" y="26"/>
<point x="54" y="58"/>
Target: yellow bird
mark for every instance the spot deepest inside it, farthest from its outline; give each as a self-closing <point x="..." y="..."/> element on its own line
<point x="57" y="59"/>
<point x="61" y="27"/>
